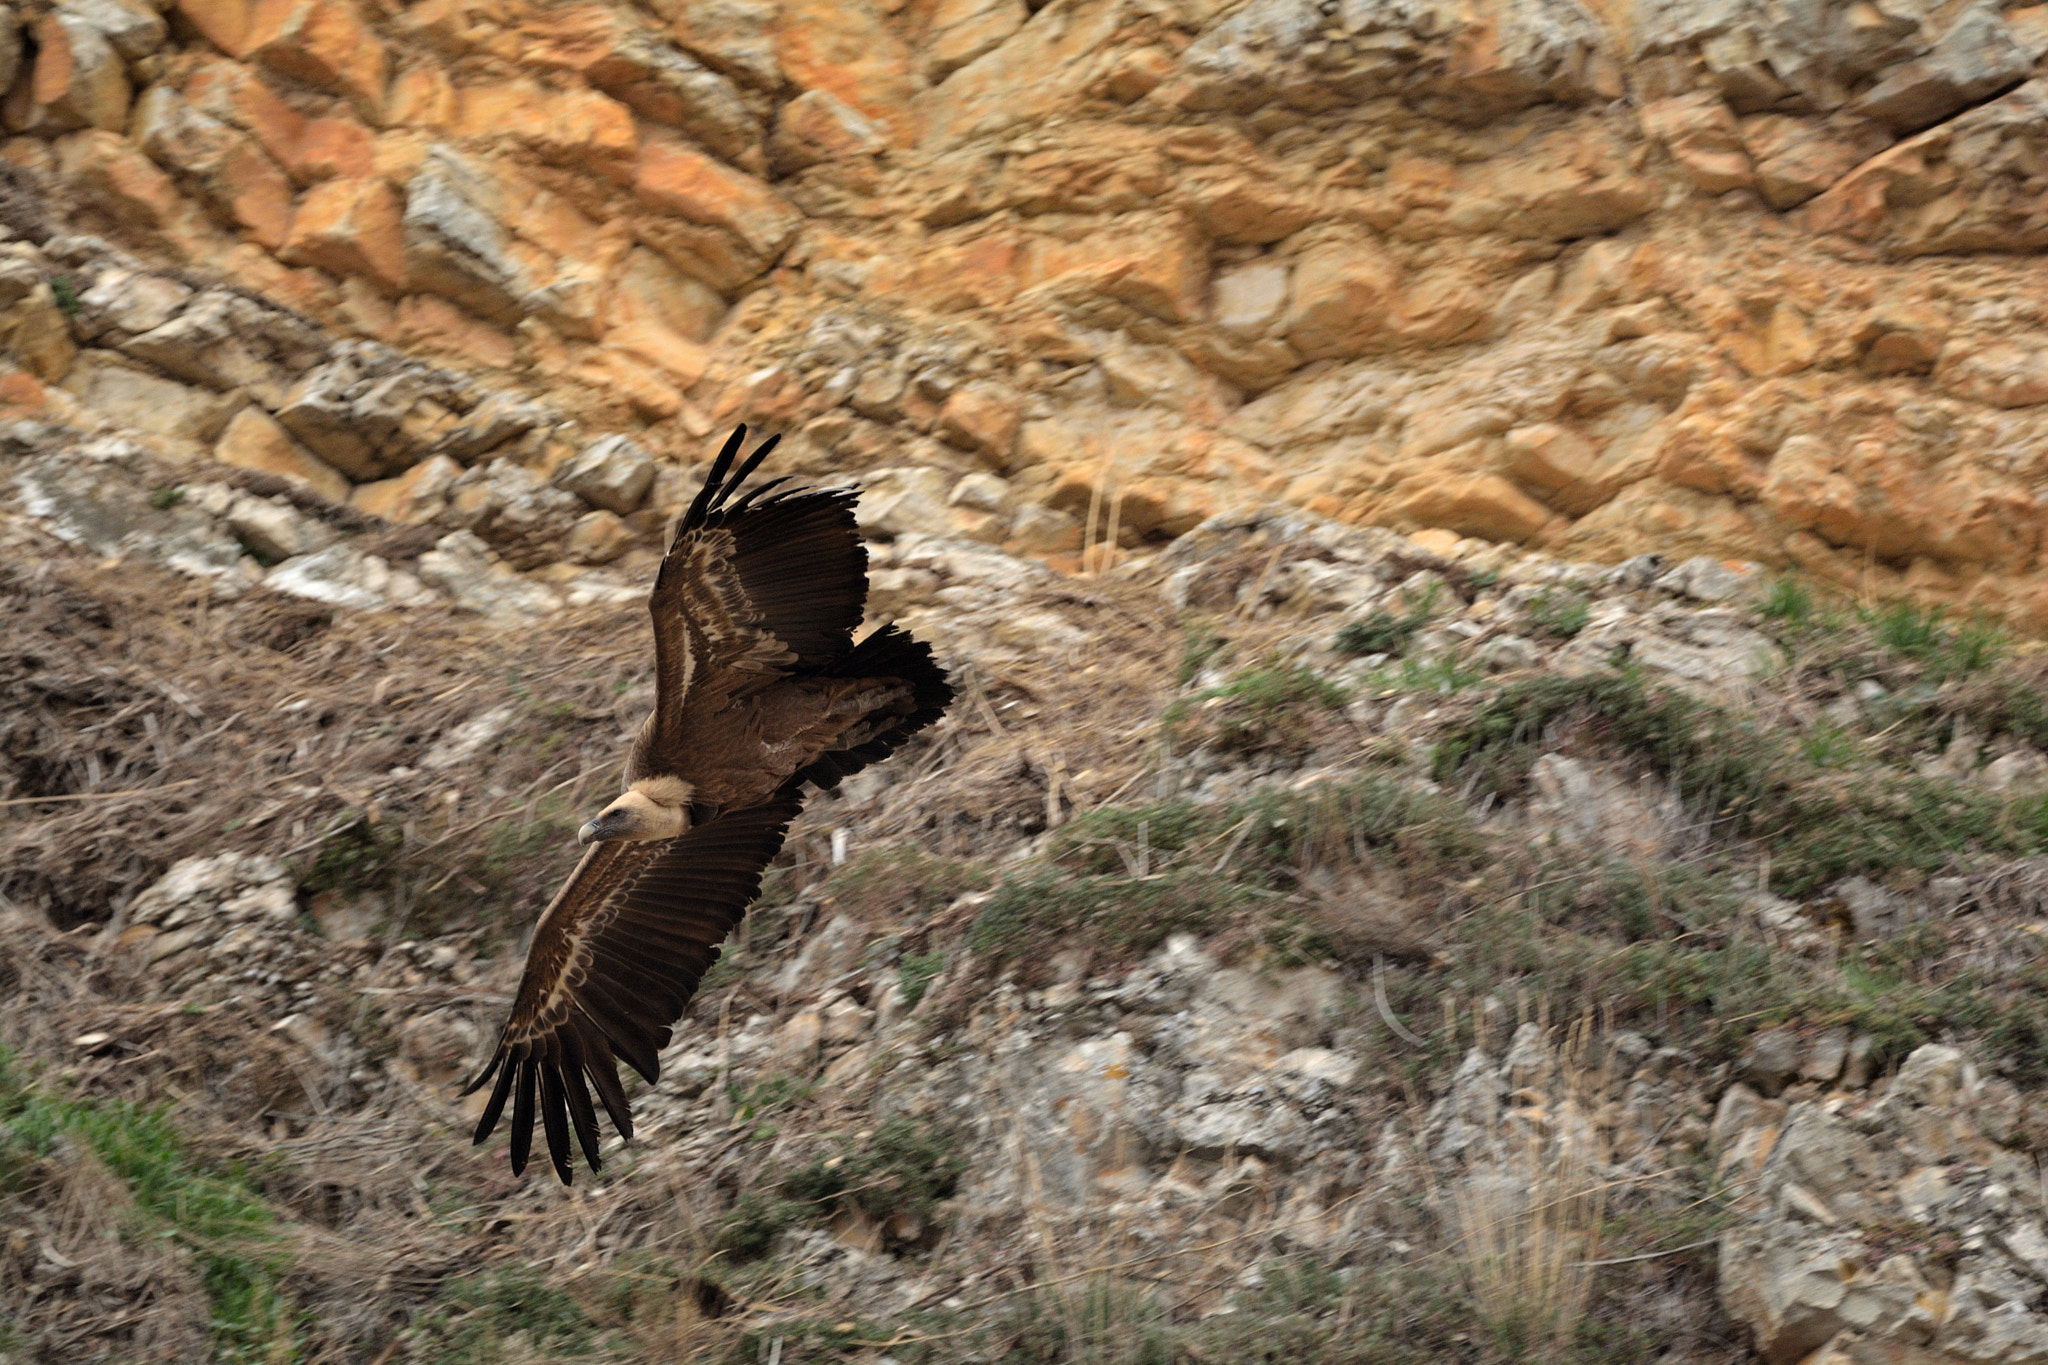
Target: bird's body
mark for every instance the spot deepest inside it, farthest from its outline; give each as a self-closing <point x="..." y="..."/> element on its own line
<point x="760" y="690"/>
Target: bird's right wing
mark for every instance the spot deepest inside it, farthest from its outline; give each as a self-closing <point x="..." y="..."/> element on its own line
<point x="614" y="960"/>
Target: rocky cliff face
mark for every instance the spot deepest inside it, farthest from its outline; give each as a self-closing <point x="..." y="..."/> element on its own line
<point x="1750" y="280"/>
<point x="1421" y="868"/>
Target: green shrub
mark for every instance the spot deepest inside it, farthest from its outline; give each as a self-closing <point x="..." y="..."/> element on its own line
<point x="1788" y="601"/>
<point x="1560" y="614"/>
<point x="1267" y="708"/>
<point x="915" y="974"/>
<point x="1383" y="631"/>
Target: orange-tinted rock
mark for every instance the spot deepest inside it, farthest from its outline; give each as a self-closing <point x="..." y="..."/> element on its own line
<point x="1156" y="265"/>
<point x="1137" y="74"/>
<point x="1487" y="506"/>
<point x="333" y="149"/>
<point x="2004" y="374"/>
<point x="224" y="23"/>
<point x="733" y="36"/>
<point x="982" y="418"/>
<point x="1240" y="208"/>
<point x="413" y="496"/>
<point x="634" y="66"/>
<point x="579" y="127"/>
<point x="1556" y="462"/>
<point x="22" y="394"/>
<point x="1797" y="159"/>
<point x="846" y="47"/>
<point x="78" y="80"/>
<point x="679" y="359"/>
<point x="235" y="94"/>
<point x="619" y="375"/>
<point x="224" y="166"/>
<point x="324" y="43"/>
<point x="962" y="30"/>
<point x="598" y="537"/>
<point x="350" y="227"/>
<point x="819" y="126"/>
<point x="721" y="225"/>
<point x="1701" y="133"/>
<point x="646" y="288"/>
<point x="432" y="324"/>
<point x="1869" y="493"/>
<point x="1342" y="291"/>
<point x="107" y="171"/>
<point x="1704" y="454"/>
<point x="254" y="440"/>
<point x="423" y="97"/>
<point x="1900" y="338"/>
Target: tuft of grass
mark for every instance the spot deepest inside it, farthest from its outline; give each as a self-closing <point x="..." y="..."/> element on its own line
<point x="215" y="1212"/>
<point x="896" y="1175"/>
<point x="899" y="883"/>
<point x="1121" y="879"/>
<point x="356" y="856"/>
<point x="64" y="290"/>
<point x="915" y="974"/>
<point x="1560" y="614"/>
<point x="1527" y="1229"/>
<point x="164" y="498"/>
<point x="1200" y="645"/>
<point x="1789" y="602"/>
<point x="1383" y="631"/>
<point x="1264" y="709"/>
<point x="477" y="1318"/>
<point x="1946" y="651"/>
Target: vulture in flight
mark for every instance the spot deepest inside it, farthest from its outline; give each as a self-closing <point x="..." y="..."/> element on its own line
<point x="760" y="688"/>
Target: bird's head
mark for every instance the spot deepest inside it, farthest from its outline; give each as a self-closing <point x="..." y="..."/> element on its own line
<point x="636" y="815"/>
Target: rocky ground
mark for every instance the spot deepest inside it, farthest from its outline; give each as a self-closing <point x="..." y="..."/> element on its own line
<point x="1302" y="939"/>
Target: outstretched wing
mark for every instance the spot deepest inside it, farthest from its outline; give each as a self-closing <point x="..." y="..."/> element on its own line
<point x="752" y="586"/>
<point x="614" y="960"/>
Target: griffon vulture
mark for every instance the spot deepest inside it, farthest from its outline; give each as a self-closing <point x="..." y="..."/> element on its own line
<point x="760" y="688"/>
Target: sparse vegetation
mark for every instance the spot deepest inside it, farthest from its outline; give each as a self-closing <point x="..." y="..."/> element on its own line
<point x="64" y="290"/>
<point x="1266" y="708"/>
<point x="1386" y="632"/>
<point x="1560" y="614"/>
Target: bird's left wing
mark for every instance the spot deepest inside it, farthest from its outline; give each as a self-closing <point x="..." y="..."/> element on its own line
<point x="614" y="960"/>
<point x="754" y="583"/>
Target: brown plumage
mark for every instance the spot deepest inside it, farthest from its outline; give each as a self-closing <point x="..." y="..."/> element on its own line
<point x="760" y="688"/>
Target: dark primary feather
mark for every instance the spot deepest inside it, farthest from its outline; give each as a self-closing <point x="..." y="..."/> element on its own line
<point x="796" y="553"/>
<point x="648" y="947"/>
<point x="888" y="653"/>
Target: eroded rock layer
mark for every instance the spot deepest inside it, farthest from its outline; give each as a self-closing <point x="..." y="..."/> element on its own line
<point x="1744" y="279"/>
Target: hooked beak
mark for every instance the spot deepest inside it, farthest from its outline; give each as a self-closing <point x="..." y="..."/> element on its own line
<point x="605" y="826"/>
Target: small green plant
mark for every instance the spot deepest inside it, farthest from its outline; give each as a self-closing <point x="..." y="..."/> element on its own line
<point x="1560" y="614"/>
<point x="899" y="882"/>
<point x="915" y="974"/>
<point x="1385" y="632"/>
<point x="1200" y="646"/>
<point x="213" y="1212"/>
<point x="477" y="1317"/>
<point x="1921" y="633"/>
<point x="1267" y="708"/>
<point x="1829" y="746"/>
<point x="1441" y="675"/>
<point x="1788" y="601"/>
<point x="64" y="290"/>
<point x="165" y="497"/>
<point x="356" y="856"/>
